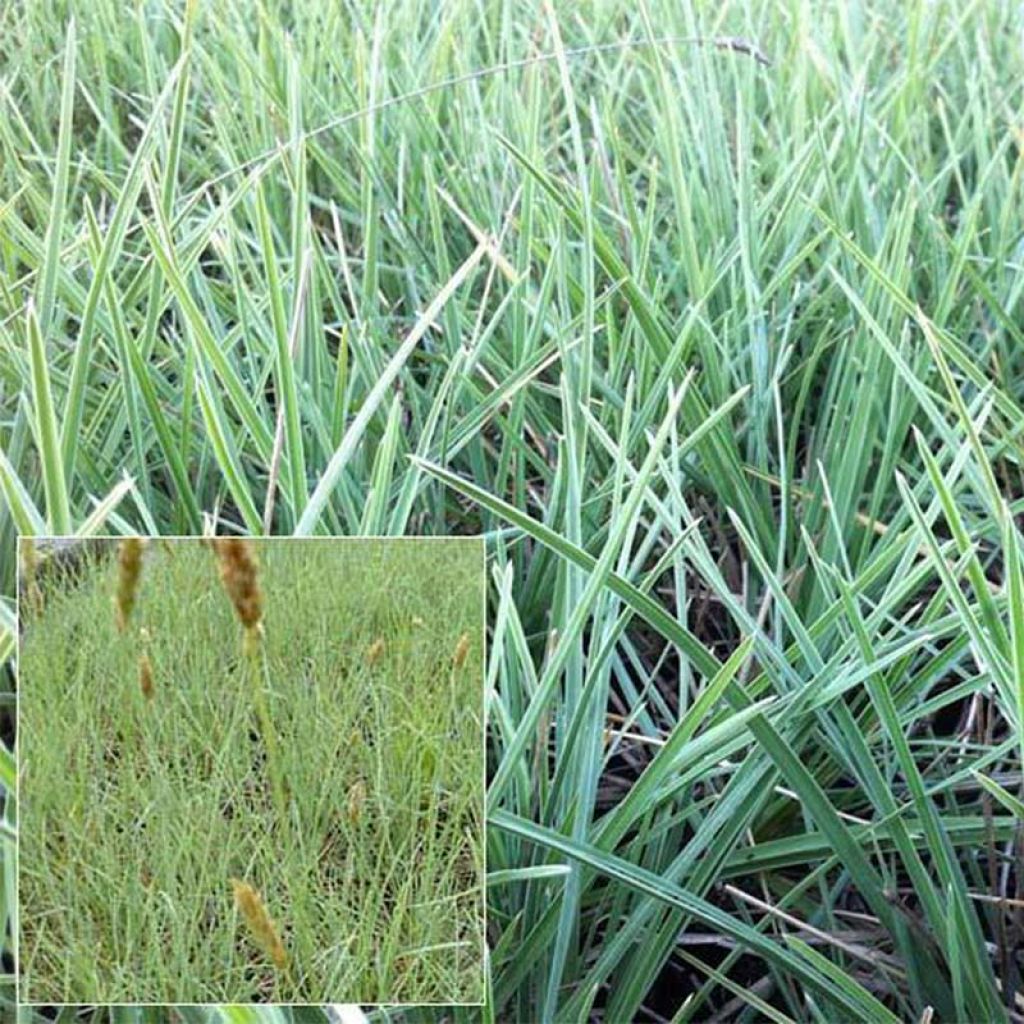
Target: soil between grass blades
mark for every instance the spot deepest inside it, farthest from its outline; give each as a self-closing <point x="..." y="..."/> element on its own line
<point x="136" y="813"/>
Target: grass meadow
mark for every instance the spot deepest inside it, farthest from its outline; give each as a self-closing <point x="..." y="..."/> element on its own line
<point x="707" y="316"/>
<point x="141" y="803"/>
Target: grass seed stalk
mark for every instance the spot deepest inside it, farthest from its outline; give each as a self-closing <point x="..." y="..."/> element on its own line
<point x="239" y="573"/>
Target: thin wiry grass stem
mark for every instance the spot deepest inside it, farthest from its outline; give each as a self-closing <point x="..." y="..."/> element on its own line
<point x="257" y="672"/>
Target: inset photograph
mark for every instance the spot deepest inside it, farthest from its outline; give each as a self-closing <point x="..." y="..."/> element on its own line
<point x="251" y="771"/>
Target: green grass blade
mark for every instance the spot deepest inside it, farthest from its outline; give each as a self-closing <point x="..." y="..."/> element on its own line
<point x="58" y="509"/>
<point x="47" y="284"/>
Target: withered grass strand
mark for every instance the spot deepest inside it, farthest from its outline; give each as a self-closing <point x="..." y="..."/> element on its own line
<point x="129" y="569"/>
<point x="261" y="925"/>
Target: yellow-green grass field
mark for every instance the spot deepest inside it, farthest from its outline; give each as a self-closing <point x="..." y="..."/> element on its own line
<point x="141" y="803"/>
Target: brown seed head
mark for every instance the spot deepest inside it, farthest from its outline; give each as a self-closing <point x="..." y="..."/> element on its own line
<point x="129" y="568"/>
<point x="250" y="906"/>
<point x="375" y="651"/>
<point x="461" y="651"/>
<point x="145" y="676"/>
<point x="239" y="572"/>
<point x="356" y="799"/>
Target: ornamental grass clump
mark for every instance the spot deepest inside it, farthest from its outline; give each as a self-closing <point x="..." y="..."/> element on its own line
<point x="261" y="925"/>
<point x="129" y="570"/>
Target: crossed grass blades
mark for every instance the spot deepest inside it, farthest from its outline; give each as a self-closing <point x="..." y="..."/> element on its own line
<point x="724" y="357"/>
<point x="225" y="799"/>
